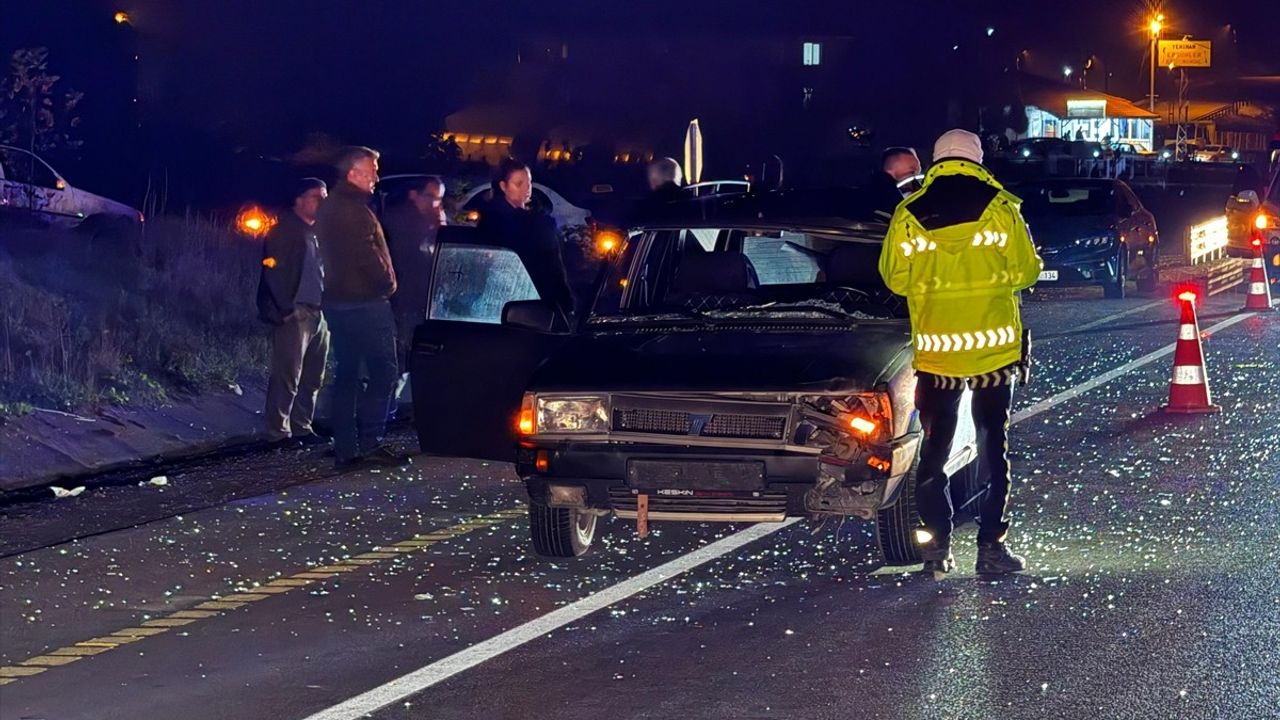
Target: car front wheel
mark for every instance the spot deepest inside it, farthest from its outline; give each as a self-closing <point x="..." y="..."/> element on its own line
<point x="560" y="532"/>
<point x="896" y="525"/>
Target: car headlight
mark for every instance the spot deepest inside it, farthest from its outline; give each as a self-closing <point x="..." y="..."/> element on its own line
<point x="587" y="414"/>
<point x="1095" y="241"/>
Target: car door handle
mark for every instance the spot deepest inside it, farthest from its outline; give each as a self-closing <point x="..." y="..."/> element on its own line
<point x="429" y="348"/>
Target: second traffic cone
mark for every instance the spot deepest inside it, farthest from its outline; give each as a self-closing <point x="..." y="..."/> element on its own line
<point x="1189" y="389"/>
<point x="1259" y="297"/>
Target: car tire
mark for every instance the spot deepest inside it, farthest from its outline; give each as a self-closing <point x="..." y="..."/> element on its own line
<point x="896" y="525"/>
<point x="561" y="532"/>
<point x="1150" y="280"/>
<point x="1115" y="288"/>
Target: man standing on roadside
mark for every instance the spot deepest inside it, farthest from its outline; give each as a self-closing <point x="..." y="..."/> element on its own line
<point x="412" y="224"/>
<point x="899" y="172"/>
<point x="959" y="250"/>
<point x="359" y="282"/>
<point x="289" y="297"/>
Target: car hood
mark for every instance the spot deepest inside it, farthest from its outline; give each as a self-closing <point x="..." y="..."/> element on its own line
<point x="1061" y="231"/>
<point x="747" y="359"/>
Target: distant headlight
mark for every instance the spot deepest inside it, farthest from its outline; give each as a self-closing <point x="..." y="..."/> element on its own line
<point x="572" y="414"/>
<point x="1096" y="241"/>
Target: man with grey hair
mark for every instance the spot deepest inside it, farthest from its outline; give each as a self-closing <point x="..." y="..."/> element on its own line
<point x="665" y="179"/>
<point x="665" y="172"/>
<point x="359" y="282"/>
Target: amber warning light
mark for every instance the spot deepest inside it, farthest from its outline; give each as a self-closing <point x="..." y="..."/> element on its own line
<point x="254" y="221"/>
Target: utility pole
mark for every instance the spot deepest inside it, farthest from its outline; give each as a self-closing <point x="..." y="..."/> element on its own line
<point x="1156" y="24"/>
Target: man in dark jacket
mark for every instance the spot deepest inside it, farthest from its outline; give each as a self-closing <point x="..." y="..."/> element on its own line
<point x="412" y="224"/>
<point x="289" y="297"/>
<point x="665" y="180"/>
<point x="898" y="176"/>
<point x="359" y="282"/>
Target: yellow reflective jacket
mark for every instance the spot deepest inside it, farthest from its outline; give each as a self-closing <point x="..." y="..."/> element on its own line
<point x="961" y="279"/>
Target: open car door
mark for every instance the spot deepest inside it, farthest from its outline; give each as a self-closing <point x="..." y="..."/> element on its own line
<point x="468" y="368"/>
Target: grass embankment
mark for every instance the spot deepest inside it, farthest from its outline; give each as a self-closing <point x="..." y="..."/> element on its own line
<point x="85" y="323"/>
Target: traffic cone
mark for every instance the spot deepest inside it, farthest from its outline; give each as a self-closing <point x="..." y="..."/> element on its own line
<point x="1189" y="389"/>
<point x="1259" y="297"/>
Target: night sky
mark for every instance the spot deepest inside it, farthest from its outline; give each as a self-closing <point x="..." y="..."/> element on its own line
<point x="259" y="76"/>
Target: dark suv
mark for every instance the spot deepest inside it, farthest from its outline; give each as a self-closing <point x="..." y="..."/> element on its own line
<point x="742" y="361"/>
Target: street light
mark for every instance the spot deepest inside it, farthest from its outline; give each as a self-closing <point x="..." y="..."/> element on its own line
<point x="1066" y="72"/>
<point x="121" y="17"/>
<point x="1157" y="24"/>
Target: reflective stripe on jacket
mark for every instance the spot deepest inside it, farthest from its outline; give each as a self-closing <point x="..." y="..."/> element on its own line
<point x="960" y="270"/>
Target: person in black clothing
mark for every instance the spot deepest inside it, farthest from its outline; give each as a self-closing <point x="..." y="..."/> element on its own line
<point x="665" y="180"/>
<point x="533" y="236"/>
<point x="899" y="172"/>
<point x="289" y="296"/>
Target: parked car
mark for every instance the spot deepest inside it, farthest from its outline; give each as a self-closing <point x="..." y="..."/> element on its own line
<point x="1092" y="232"/>
<point x="31" y="191"/>
<point x="1037" y="149"/>
<point x="1216" y="153"/>
<point x="1254" y="211"/>
<point x="742" y="362"/>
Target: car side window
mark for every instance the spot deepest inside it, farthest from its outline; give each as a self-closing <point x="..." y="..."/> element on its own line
<point x="473" y="283"/>
<point x="782" y="260"/>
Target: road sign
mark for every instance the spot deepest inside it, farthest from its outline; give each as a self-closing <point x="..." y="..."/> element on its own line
<point x="1186" y="53"/>
<point x="693" y="153"/>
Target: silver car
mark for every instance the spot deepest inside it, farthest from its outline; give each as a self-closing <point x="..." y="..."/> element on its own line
<point x="31" y="191"/>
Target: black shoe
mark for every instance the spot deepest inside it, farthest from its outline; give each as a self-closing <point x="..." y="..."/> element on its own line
<point x="384" y="456"/>
<point x="995" y="559"/>
<point x="939" y="565"/>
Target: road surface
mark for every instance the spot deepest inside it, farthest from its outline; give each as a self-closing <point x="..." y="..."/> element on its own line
<point x="266" y="586"/>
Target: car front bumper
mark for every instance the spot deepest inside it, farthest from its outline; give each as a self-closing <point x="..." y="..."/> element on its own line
<point x="602" y="470"/>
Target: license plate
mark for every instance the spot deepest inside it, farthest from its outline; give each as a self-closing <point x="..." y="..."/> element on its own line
<point x="695" y="475"/>
<point x="1050" y="275"/>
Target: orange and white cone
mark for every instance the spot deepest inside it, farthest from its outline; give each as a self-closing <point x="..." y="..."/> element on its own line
<point x="1259" y="297"/>
<point x="1189" y="389"/>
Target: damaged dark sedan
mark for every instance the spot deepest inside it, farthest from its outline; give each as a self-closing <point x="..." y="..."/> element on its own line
<point x="741" y="361"/>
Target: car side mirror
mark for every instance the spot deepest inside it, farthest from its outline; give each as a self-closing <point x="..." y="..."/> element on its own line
<point x="536" y="315"/>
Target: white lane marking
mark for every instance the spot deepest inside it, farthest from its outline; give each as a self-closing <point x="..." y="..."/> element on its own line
<point x="429" y="675"/>
<point x="1104" y="320"/>
<point x="441" y="670"/>
<point x="1106" y="377"/>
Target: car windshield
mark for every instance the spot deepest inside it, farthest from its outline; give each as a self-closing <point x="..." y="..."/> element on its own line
<point x="735" y="272"/>
<point x="1062" y="200"/>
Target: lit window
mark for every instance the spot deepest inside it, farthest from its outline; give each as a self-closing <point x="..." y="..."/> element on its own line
<point x="812" y="53"/>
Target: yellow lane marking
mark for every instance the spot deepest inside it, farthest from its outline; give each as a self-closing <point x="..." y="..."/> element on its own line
<point x="77" y="650"/>
<point x="168" y="622"/>
<point x="50" y="660"/>
<point x="288" y="582"/>
<point x="13" y="671"/>
<point x="194" y="614"/>
<point x="139" y="632"/>
<point x="216" y="605"/>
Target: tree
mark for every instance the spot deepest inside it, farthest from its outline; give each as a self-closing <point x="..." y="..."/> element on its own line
<point x="34" y="112"/>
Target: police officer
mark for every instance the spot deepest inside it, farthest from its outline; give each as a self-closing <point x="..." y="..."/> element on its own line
<point x="959" y="250"/>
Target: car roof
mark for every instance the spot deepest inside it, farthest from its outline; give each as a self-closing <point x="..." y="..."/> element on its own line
<point x="830" y="209"/>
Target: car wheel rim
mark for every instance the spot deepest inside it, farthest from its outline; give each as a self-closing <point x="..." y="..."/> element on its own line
<point x="584" y="526"/>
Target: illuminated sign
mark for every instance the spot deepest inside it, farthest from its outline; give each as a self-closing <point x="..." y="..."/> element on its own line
<point x="1207" y="238"/>
<point x="1186" y="53"/>
<point x="1086" y="108"/>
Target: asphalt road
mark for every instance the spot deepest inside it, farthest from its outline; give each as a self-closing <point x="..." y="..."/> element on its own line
<point x="268" y="587"/>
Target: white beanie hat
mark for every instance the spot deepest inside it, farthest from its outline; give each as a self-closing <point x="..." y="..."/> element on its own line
<point x="960" y="144"/>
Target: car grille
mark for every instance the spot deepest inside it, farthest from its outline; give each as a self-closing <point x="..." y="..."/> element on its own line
<point x="676" y="422"/>
<point x="773" y="505"/>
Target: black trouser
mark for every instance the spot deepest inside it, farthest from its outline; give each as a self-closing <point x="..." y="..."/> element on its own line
<point x="939" y="409"/>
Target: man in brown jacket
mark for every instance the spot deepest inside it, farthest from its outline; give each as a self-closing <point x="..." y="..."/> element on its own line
<point x="358" y="284"/>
